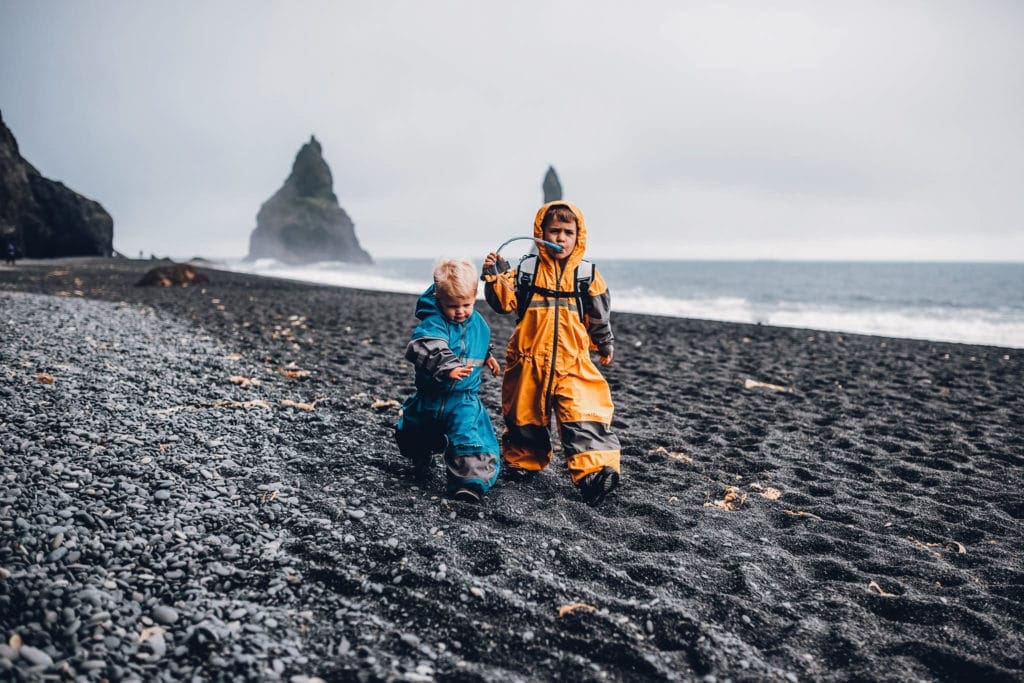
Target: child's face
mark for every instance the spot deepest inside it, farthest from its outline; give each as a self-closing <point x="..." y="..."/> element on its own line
<point x="563" y="234"/>
<point x="456" y="308"/>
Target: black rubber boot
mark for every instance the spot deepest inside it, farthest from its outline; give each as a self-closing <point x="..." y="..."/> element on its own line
<point x="596" y="487"/>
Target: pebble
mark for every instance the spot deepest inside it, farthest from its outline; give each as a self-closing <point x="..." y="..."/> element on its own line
<point x="35" y="656"/>
<point x="162" y="614"/>
<point x="91" y="596"/>
<point x="57" y="554"/>
<point x="157" y="645"/>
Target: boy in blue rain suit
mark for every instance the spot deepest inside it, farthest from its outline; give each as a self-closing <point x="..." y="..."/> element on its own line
<point x="449" y="348"/>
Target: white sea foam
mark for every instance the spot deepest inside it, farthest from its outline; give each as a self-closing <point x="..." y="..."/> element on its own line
<point x="970" y="326"/>
<point x="966" y="325"/>
<point x="357" y="276"/>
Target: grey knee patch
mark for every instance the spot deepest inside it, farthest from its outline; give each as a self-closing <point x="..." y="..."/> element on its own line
<point x="581" y="437"/>
<point x="534" y="436"/>
<point x="482" y="466"/>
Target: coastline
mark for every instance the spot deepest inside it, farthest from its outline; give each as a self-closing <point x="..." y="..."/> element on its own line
<point x="878" y="535"/>
<point x="966" y="303"/>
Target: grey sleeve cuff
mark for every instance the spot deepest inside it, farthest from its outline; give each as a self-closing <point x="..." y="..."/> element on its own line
<point x="432" y="356"/>
<point x="599" y="310"/>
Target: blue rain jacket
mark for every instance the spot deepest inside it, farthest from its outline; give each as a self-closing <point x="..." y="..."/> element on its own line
<point x="441" y="405"/>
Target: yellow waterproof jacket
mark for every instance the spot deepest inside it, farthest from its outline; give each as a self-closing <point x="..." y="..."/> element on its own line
<point x="552" y="328"/>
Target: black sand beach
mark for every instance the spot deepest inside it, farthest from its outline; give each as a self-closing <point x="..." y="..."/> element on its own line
<point x="166" y="514"/>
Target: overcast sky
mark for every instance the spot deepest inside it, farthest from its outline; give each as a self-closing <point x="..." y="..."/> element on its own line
<point x="725" y="130"/>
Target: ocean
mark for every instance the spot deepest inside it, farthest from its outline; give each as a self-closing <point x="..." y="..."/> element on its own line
<point x="975" y="303"/>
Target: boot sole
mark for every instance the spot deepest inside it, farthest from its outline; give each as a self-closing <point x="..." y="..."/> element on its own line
<point x="605" y="483"/>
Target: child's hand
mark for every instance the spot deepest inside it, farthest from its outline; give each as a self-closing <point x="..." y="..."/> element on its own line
<point x="493" y="366"/>
<point x="460" y="373"/>
<point x="605" y="360"/>
<point x="495" y="265"/>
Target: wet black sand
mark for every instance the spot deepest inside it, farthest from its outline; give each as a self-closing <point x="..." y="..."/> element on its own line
<point x="157" y="524"/>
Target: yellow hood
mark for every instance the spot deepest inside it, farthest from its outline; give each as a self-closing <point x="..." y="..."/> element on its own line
<point x="581" y="234"/>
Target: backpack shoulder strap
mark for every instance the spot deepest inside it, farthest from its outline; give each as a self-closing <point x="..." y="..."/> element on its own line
<point x="584" y="276"/>
<point x="526" y="274"/>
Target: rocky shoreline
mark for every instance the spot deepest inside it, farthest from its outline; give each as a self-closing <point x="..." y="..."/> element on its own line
<point x="201" y="483"/>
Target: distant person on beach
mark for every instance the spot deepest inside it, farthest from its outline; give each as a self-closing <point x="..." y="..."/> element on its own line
<point x="10" y="253"/>
<point x="563" y="312"/>
<point x="449" y="348"/>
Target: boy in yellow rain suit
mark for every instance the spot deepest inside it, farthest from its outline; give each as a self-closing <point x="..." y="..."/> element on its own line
<point x="563" y="310"/>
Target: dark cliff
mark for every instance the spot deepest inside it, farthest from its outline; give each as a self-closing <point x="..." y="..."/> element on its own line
<point x="43" y="217"/>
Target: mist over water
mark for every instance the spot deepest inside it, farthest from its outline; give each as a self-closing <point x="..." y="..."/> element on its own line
<point x="960" y="302"/>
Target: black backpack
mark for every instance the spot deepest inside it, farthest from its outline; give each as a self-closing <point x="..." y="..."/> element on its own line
<point x="526" y="274"/>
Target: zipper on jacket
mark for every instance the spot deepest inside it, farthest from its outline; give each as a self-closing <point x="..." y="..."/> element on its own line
<point x="450" y="386"/>
<point x="560" y="271"/>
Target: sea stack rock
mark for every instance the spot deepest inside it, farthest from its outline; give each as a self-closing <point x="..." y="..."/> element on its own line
<point x="42" y="217"/>
<point x="552" y="188"/>
<point x="303" y="222"/>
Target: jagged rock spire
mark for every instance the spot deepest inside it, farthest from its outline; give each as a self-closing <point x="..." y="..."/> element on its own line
<point x="552" y="187"/>
<point x="303" y="221"/>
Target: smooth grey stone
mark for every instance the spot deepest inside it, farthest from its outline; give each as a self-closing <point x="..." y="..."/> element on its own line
<point x="35" y="656"/>
<point x="164" y="615"/>
<point x="57" y="555"/>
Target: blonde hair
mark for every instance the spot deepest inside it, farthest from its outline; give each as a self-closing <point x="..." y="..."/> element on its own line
<point x="455" y="278"/>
